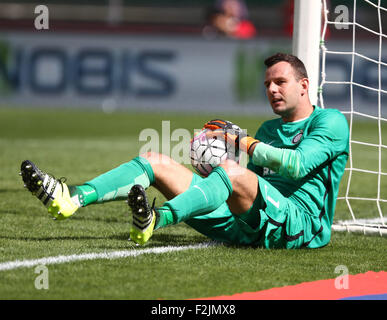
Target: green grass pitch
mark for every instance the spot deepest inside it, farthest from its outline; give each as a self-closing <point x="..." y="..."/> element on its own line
<point x="80" y="145"/>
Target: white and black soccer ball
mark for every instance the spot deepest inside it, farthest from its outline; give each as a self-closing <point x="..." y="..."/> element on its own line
<point x="208" y="153"/>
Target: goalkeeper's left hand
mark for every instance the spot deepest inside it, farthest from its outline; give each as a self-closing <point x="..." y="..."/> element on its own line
<point x="231" y="133"/>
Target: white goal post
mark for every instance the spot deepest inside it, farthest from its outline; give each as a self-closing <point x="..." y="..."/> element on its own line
<point x="311" y="22"/>
<point x="306" y="40"/>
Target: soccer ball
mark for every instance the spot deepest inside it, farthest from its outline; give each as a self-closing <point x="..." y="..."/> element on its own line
<point x="208" y="153"/>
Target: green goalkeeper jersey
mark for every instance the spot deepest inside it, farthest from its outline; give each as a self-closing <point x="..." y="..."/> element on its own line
<point x="305" y="161"/>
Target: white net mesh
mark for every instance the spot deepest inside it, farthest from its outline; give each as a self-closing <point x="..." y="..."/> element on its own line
<point x="354" y="80"/>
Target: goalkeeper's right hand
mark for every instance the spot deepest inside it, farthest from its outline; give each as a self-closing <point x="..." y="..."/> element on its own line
<point x="221" y="124"/>
<point x="231" y="133"/>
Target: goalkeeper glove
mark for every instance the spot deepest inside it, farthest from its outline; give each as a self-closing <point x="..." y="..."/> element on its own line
<point x="221" y="124"/>
<point x="231" y="133"/>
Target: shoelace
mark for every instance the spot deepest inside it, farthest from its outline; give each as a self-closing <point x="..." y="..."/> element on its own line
<point x="61" y="180"/>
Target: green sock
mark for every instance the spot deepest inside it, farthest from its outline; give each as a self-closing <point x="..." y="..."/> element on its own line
<point x="202" y="197"/>
<point x="116" y="183"/>
<point x="83" y="195"/>
<point x="166" y="217"/>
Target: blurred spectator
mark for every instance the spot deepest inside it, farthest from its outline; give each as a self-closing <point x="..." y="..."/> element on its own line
<point x="288" y="12"/>
<point x="229" y="18"/>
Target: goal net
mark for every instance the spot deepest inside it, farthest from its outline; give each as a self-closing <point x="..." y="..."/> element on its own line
<point x="353" y="52"/>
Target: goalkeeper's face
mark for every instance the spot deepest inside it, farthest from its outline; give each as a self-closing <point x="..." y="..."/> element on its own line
<point x="285" y="92"/>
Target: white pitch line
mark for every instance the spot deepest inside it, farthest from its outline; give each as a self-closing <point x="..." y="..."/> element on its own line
<point x="10" y="265"/>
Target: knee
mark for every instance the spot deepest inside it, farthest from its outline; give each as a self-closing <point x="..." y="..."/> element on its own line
<point x="156" y="159"/>
<point x="150" y="155"/>
<point x="233" y="169"/>
<point x="244" y="187"/>
<point x="228" y="163"/>
<point x="239" y="176"/>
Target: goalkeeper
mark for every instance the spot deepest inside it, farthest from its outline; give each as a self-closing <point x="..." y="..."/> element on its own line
<point x="285" y="198"/>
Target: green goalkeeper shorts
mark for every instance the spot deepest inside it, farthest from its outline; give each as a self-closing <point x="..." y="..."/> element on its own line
<point x="273" y="221"/>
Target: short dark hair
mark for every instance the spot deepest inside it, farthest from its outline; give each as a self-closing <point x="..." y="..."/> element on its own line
<point x="297" y="64"/>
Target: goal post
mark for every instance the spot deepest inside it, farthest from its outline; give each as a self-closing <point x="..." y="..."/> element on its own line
<point x="311" y="22"/>
<point x="306" y="40"/>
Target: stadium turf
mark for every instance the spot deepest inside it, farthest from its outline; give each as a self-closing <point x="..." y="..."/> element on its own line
<point x="80" y="145"/>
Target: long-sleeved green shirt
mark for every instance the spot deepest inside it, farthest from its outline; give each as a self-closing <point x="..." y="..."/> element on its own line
<point x="305" y="161"/>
